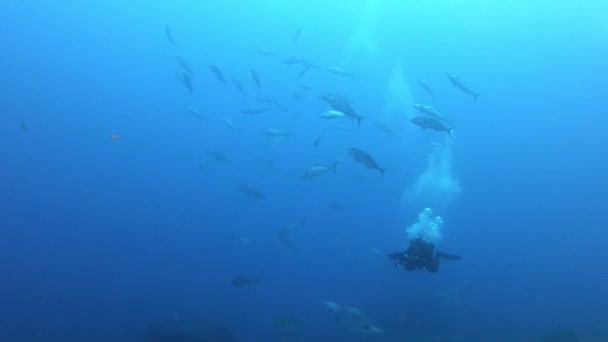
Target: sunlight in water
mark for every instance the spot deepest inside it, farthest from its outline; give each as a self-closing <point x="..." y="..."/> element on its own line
<point x="362" y="42"/>
<point x="437" y="186"/>
<point x="399" y="97"/>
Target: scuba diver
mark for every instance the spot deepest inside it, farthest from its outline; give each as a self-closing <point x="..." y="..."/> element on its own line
<point x="420" y="254"/>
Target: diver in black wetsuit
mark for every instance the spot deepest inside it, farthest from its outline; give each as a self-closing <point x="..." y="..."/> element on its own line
<point x="420" y="254"/>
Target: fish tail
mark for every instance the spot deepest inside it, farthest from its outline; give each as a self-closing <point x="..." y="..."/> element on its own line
<point x="359" y="119"/>
<point x="333" y="166"/>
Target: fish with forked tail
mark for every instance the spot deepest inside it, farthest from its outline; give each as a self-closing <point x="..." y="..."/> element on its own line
<point x="462" y="85"/>
<point x="429" y="122"/>
<point x="365" y="159"/>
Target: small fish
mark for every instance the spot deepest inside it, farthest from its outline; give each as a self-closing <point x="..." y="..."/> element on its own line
<point x="462" y="85"/>
<point x="276" y="133"/>
<point x="366" y="159"/>
<point x="267" y="52"/>
<point x="292" y="60"/>
<point x="185" y="65"/>
<point x="339" y="71"/>
<point x="219" y="156"/>
<point x="185" y="80"/>
<point x="369" y="329"/>
<point x="24" y="126"/>
<point x="267" y="99"/>
<point x="383" y="127"/>
<point x="334" y="114"/>
<point x="426" y="122"/>
<point x="430" y="110"/>
<point x="256" y="110"/>
<point x="194" y="112"/>
<point x="169" y="35"/>
<point x="237" y="83"/>
<point x="243" y="280"/>
<point x="230" y="124"/>
<point x="318" y="171"/>
<point x="218" y="74"/>
<point x="427" y="88"/>
<point x="318" y="140"/>
<point x="284" y="322"/>
<point x="251" y="192"/>
<point x="297" y="35"/>
<point x="336" y="206"/>
<point x="256" y="78"/>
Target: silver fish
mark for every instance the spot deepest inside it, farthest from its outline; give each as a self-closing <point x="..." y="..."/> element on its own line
<point x="318" y="171"/>
<point x="430" y="110"/>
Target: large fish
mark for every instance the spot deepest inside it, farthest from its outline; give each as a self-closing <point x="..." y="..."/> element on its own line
<point x="462" y="85"/>
<point x="430" y="110"/>
<point x="428" y="122"/>
<point x="334" y="114"/>
<point x="341" y="104"/>
<point x="365" y="159"/>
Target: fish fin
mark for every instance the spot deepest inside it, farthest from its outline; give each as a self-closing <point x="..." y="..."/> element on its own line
<point x="476" y="96"/>
<point x="382" y="172"/>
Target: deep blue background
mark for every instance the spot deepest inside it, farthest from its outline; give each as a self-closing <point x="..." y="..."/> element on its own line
<point x="101" y="237"/>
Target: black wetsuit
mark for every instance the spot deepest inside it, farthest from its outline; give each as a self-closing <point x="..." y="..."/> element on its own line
<point x="420" y="254"/>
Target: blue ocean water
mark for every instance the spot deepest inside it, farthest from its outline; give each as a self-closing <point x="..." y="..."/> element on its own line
<point x="123" y="215"/>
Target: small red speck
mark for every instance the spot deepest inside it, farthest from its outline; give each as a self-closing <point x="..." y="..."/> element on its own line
<point x="115" y="136"/>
